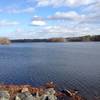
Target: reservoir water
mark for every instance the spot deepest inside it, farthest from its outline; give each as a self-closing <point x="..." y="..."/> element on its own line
<point x="69" y="65"/>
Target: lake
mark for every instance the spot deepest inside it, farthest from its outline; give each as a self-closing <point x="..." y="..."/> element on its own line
<point x="69" y="65"/>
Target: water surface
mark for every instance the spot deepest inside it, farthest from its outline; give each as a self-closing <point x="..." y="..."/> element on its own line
<point x="69" y="65"/>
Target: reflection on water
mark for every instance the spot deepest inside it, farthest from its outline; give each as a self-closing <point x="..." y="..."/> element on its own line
<point x="70" y="65"/>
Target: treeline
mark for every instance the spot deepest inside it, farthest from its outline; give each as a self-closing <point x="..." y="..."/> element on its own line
<point x="70" y="39"/>
<point x="29" y="40"/>
<point x="84" y="38"/>
<point x="40" y="40"/>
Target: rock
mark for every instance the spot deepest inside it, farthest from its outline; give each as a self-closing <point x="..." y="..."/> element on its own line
<point x="49" y="95"/>
<point x="25" y="89"/>
<point x="50" y="85"/>
<point x="24" y="96"/>
<point x="46" y="92"/>
<point x="70" y="92"/>
<point x="51" y="91"/>
<point x="4" y="95"/>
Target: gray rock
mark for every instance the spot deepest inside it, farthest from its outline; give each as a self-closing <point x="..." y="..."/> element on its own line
<point x="4" y="95"/>
<point x="49" y="94"/>
<point x="24" y="96"/>
<point x="50" y="91"/>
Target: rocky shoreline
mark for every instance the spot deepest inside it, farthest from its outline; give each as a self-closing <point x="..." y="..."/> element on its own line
<point x="45" y="92"/>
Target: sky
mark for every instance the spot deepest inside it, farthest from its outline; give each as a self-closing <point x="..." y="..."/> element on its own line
<point x="32" y="19"/>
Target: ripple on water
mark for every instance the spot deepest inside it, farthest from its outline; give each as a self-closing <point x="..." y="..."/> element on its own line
<point x="69" y="65"/>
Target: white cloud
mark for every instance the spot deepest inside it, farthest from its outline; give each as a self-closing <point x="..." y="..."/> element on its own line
<point x="78" y="2"/>
<point x="92" y="14"/>
<point x="67" y="20"/>
<point x="4" y="23"/>
<point x="56" y="29"/>
<point x="58" y="3"/>
<point x="63" y="31"/>
<point x="38" y="21"/>
<point x="72" y="15"/>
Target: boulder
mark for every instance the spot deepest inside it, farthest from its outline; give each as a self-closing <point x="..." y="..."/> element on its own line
<point x="24" y="96"/>
<point x="4" y="95"/>
<point x="49" y="94"/>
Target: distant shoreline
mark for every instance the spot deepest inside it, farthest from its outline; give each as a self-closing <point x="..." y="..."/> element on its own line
<point x="88" y="38"/>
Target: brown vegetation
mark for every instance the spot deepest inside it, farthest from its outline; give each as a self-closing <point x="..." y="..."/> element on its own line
<point x="4" y="41"/>
<point x="56" y="40"/>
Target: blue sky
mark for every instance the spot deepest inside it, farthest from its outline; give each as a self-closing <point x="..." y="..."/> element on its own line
<point x="49" y="18"/>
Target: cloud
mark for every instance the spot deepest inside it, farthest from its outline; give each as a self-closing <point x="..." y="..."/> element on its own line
<point x="20" y="33"/>
<point x="63" y="31"/>
<point x="71" y="15"/>
<point x="56" y="29"/>
<point x="59" y="3"/>
<point x="72" y="22"/>
<point x="92" y="14"/>
<point x="38" y="21"/>
<point x="60" y="16"/>
<point x="92" y="8"/>
<point x="17" y="10"/>
<point x="5" y="23"/>
<point x="89" y="14"/>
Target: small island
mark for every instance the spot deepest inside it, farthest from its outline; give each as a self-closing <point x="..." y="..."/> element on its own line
<point x="4" y="41"/>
